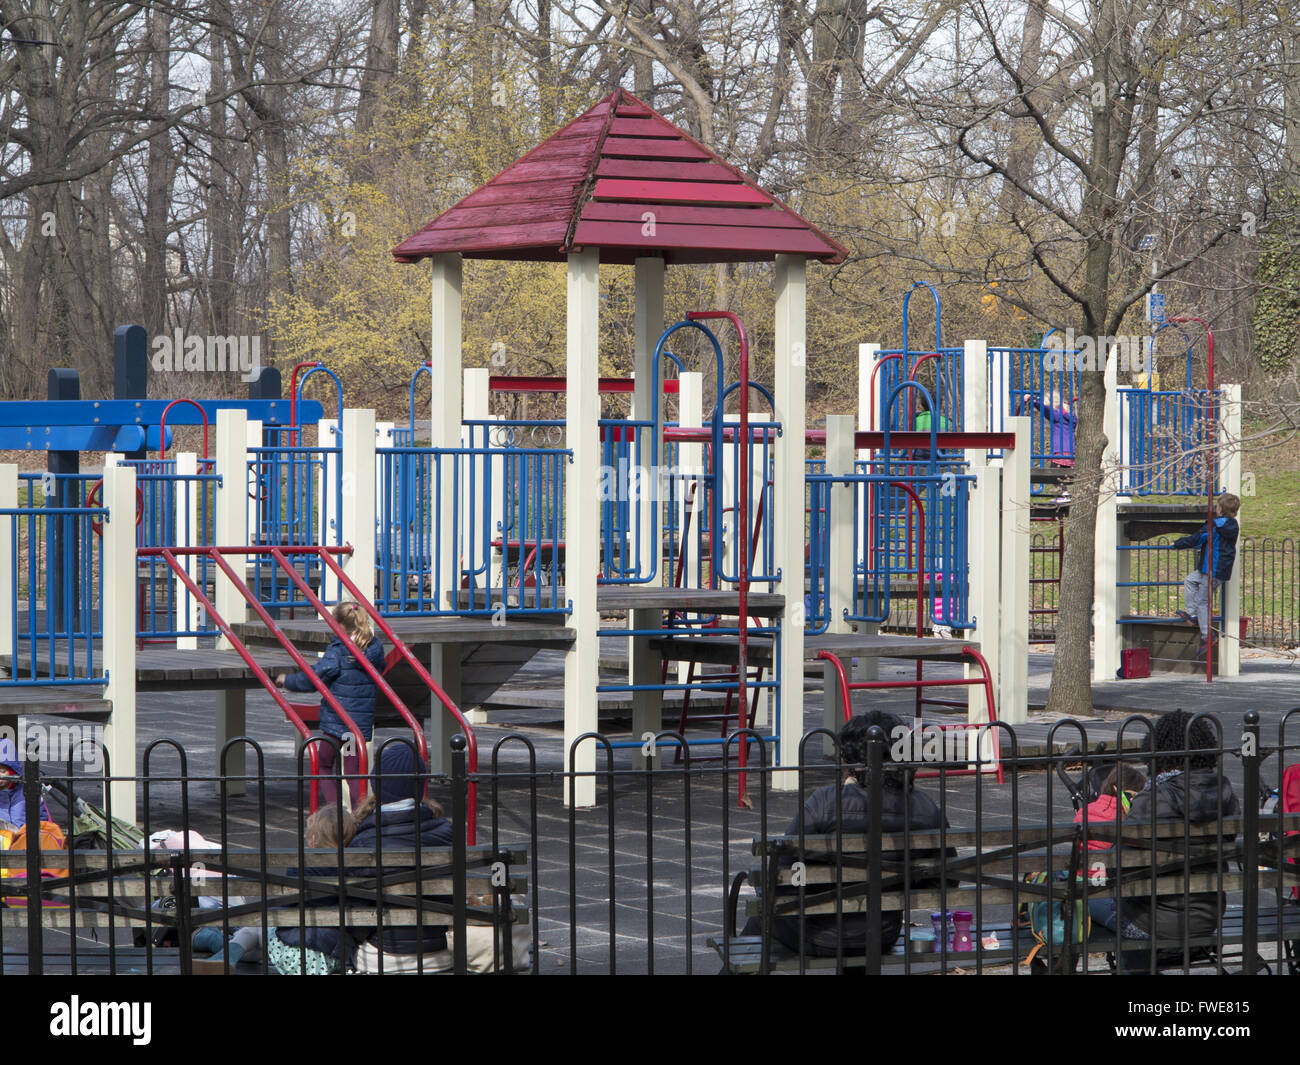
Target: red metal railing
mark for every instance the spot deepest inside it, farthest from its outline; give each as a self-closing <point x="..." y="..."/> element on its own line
<point x="280" y="555"/>
<point x="847" y="687"/>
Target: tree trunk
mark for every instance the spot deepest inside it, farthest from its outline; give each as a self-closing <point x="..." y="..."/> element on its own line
<point x="1022" y="150"/>
<point x="381" y="63"/>
<point x="153" y="237"/>
<point x="1070" y="694"/>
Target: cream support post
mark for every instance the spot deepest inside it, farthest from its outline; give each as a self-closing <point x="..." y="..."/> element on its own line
<point x="985" y="574"/>
<point x="1012" y="691"/>
<point x="357" y="505"/>
<point x="790" y="354"/>
<point x="645" y="665"/>
<point x="582" y="520"/>
<point x="117" y="589"/>
<point x="840" y="560"/>
<point x="477" y="397"/>
<point x="1230" y="464"/>
<point x="8" y="592"/>
<point x="690" y="415"/>
<point x="867" y="668"/>
<point x="188" y="492"/>
<point x="231" y="526"/>
<point x="1105" y="610"/>
<point x="444" y="432"/>
<point x="329" y="502"/>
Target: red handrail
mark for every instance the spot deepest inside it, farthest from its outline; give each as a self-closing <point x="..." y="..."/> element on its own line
<point x="1211" y="478"/>
<point x="313" y="757"/>
<point x="358" y="653"/>
<point x="984" y="680"/>
<point x="162" y="427"/>
<point x="471" y="740"/>
<point x="215" y="554"/>
<point x="326" y="554"/>
<point x="294" y="430"/>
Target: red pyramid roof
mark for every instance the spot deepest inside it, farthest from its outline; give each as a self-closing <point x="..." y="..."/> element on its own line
<point x="622" y="178"/>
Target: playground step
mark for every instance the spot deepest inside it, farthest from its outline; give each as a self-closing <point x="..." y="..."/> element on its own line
<point x="722" y="649"/>
<point x="165" y="668"/>
<point x="1172" y="643"/>
<point x="490" y="653"/>
<point x="77" y="703"/>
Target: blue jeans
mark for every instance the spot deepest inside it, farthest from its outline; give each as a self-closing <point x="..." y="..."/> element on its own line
<point x="1106" y="912"/>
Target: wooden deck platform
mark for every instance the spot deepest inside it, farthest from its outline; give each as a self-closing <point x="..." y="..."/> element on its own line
<point x="1141" y="521"/>
<point x="80" y="703"/>
<point x="613" y="598"/>
<point x="160" y="669"/>
<point x="312" y="632"/>
<point x="721" y="650"/>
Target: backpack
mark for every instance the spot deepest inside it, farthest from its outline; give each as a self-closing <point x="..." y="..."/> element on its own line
<point x="1057" y="922"/>
<point x="51" y="839"/>
<point x="1291" y="805"/>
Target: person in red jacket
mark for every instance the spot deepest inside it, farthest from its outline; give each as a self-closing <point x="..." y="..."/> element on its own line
<point x="1117" y="792"/>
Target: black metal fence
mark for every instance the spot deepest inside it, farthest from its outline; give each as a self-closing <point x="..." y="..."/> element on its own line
<point x="1270" y="585"/>
<point x="661" y="875"/>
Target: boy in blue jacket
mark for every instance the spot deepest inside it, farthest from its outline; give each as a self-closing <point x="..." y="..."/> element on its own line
<point x="1213" y="567"/>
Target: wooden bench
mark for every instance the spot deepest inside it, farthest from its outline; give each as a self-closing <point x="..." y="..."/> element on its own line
<point x="986" y="878"/>
<point x="105" y="900"/>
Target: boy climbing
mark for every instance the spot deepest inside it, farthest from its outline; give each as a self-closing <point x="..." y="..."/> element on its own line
<point x="1199" y="586"/>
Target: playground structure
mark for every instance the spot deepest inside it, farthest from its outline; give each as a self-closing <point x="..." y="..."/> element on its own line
<point x="705" y="539"/>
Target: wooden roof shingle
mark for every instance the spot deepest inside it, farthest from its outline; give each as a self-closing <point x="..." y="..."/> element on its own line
<point x="621" y="178"/>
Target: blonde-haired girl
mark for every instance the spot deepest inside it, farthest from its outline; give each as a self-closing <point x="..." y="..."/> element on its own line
<point x="340" y="670"/>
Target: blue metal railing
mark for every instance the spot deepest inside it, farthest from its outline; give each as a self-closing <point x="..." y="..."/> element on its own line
<point x="56" y="612"/>
<point x="941" y="369"/>
<point x="1041" y="384"/>
<point x="295" y="498"/>
<point x="165" y="499"/>
<point x="505" y="531"/>
<point x="1167" y="440"/>
<point x="888" y="545"/>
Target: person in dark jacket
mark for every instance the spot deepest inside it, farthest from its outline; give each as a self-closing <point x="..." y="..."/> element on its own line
<point x="340" y="670"/>
<point x="1198" y="586"/>
<point x="393" y="817"/>
<point x="904" y="808"/>
<point x="1189" y="787"/>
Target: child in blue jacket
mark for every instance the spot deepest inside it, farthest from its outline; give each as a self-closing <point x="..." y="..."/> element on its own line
<point x="340" y="670"/>
<point x="1199" y="586"/>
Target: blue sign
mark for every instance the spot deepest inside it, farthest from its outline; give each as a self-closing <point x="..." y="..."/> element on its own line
<point x="1156" y="307"/>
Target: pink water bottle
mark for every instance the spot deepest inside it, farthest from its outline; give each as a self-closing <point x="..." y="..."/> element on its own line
<point x="961" y="940"/>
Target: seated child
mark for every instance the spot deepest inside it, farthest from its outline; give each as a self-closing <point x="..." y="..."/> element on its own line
<point x="282" y="946"/>
<point x="1117" y="792"/>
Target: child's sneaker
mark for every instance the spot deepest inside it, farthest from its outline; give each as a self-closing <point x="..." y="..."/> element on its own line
<point x="216" y="964"/>
<point x="1187" y="617"/>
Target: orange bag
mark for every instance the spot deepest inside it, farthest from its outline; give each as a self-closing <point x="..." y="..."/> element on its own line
<point x="51" y="839"/>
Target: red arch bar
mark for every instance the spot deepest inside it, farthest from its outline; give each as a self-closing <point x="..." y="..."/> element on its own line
<point x="560" y="384"/>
